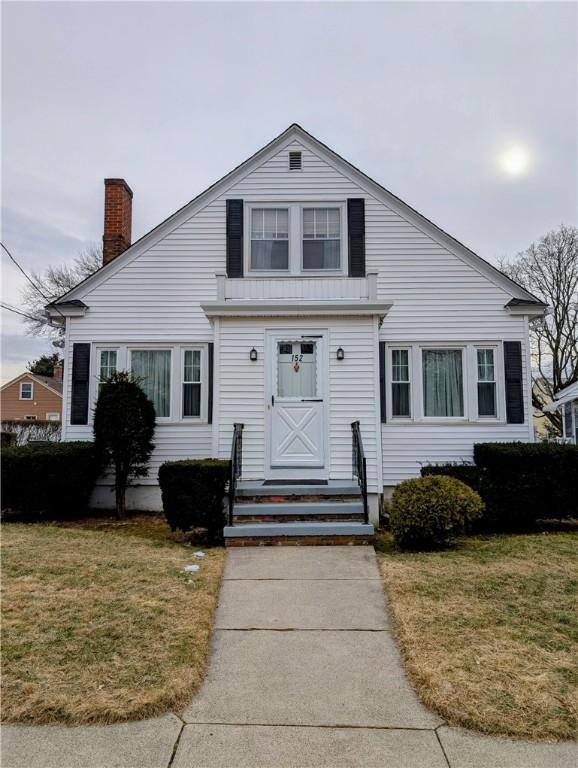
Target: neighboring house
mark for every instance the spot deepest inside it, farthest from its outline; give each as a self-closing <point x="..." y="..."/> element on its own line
<point x="296" y="295"/>
<point x="566" y="401"/>
<point x="29" y="397"/>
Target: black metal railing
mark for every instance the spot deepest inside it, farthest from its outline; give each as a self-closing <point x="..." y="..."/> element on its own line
<point x="236" y="464"/>
<point x="359" y="466"/>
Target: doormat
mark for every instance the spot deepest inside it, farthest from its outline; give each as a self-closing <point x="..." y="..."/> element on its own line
<point x="295" y="482"/>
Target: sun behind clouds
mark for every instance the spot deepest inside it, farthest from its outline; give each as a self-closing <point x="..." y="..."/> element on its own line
<point x="515" y="160"/>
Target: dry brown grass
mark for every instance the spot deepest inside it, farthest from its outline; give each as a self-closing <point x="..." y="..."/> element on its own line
<point x="100" y="623"/>
<point x="489" y="631"/>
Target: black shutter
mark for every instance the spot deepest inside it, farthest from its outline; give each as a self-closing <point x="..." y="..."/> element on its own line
<point x="514" y="382"/>
<point x="234" y="238"/>
<point x="80" y="380"/>
<point x="382" y="401"/>
<point x="356" y="235"/>
<point x="210" y="377"/>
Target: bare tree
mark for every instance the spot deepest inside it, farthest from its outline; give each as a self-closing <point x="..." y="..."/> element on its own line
<point x="549" y="270"/>
<point x="54" y="283"/>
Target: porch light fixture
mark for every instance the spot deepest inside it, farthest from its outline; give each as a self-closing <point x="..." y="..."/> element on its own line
<point x="340" y="354"/>
<point x="253" y="355"/>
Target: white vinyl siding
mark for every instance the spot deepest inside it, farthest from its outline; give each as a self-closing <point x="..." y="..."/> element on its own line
<point x="242" y="389"/>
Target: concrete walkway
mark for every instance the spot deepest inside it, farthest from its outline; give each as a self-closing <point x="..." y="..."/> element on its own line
<point x="304" y="672"/>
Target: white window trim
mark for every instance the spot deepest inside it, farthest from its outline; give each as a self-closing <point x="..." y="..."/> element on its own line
<point x="31" y="385"/>
<point x="389" y="382"/>
<point x="295" y="247"/>
<point x="203" y="349"/>
<point x="343" y="244"/>
<point x="177" y="360"/>
<point x="99" y="356"/>
<point x="30" y="417"/>
<point x="496" y="381"/>
<point x="470" y="383"/>
<point x="53" y="413"/>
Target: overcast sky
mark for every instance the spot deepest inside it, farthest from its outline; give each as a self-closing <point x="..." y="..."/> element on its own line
<point x="467" y="111"/>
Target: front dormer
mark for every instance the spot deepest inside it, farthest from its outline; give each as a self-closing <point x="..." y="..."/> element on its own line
<point x="303" y="238"/>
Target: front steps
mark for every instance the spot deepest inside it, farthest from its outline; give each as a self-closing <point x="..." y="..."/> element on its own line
<point x="298" y="514"/>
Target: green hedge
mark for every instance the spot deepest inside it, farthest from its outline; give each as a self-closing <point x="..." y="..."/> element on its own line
<point x="466" y="473"/>
<point x="48" y="481"/>
<point x="429" y="512"/>
<point x="193" y="493"/>
<point x="520" y="483"/>
<point x="524" y="482"/>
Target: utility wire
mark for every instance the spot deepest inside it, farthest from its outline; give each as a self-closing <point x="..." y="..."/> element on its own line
<point x="30" y="280"/>
<point x="23" y="314"/>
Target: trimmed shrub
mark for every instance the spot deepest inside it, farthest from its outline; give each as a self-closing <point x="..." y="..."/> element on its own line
<point x="525" y="482"/>
<point x="193" y="492"/>
<point x="124" y="426"/>
<point x="48" y="481"/>
<point x="429" y="512"/>
<point x="466" y="473"/>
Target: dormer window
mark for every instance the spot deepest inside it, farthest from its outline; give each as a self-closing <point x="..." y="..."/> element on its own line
<point x="269" y="239"/>
<point x="296" y="238"/>
<point x="321" y="238"/>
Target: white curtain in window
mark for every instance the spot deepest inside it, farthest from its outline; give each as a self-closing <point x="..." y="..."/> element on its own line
<point x="153" y="369"/>
<point x="296" y="370"/>
<point x="443" y="382"/>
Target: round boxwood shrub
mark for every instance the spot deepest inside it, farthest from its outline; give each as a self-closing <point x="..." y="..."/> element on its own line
<point x="428" y="512"/>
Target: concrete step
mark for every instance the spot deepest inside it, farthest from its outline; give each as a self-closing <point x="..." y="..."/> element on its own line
<point x="304" y="533"/>
<point x="312" y="511"/>
<point x="254" y="488"/>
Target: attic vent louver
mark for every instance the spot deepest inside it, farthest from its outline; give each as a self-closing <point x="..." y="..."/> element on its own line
<point x="294" y="161"/>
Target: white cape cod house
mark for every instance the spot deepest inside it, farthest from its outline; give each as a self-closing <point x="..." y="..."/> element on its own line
<point x="297" y="296"/>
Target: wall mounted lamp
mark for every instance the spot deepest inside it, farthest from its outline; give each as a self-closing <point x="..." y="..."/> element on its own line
<point x="340" y="354"/>
<point x="253" y="355"/>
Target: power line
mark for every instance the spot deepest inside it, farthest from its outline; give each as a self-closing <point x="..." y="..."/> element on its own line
<point x="32" y="283"/>
<point x="23" y="314"/>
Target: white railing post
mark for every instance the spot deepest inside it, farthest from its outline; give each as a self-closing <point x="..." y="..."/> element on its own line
<point x="220" y="286"/>
<point x="372" y="286"/>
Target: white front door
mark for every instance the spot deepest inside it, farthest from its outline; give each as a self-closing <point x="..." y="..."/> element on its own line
<point x="297" y="406"/>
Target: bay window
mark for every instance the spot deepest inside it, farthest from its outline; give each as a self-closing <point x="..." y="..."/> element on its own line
<point x="152" y="368"/>
<point x="269" y="239"/>
<point x="486" y="372"/>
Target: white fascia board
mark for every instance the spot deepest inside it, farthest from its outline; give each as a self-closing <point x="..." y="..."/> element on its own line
<point x="244" y="308"/>
<point x="62" y="312"/>
<point x="295" y="132"/>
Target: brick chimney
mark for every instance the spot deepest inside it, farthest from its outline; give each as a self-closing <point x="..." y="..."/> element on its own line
<point x="59" y="370"/>
<point x="117" y="218"/>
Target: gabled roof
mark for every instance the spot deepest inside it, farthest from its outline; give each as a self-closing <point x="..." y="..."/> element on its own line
<point x="55" y="385"/>
<point x="292" y="133"/>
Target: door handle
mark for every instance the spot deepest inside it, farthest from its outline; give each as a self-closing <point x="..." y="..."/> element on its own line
<point x="311" y="399"/>
<point x="273" y="400"/>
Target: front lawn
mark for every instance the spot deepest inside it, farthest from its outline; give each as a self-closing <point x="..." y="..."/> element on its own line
<point x="99" y="621"/>
<point x="489" y="630"/>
